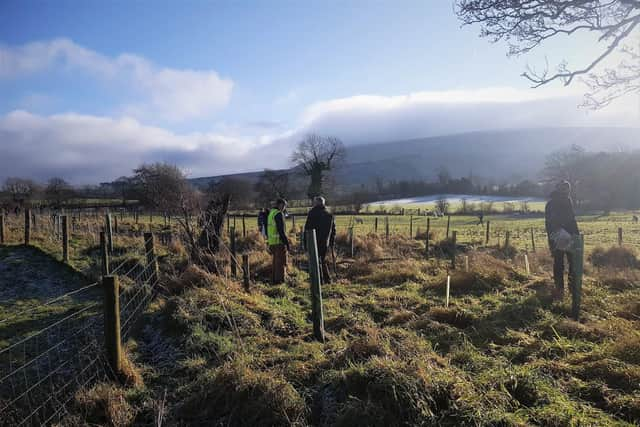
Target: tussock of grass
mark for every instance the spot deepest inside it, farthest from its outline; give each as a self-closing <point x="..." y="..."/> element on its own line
<point x="237" y="395"/>
<point x="453" y="316"/>
<point x="395" y="273"/>
<point x="615" y="256"/>
<point x="626" y="348"/>
<point x="383" y="392"/>
<point x="105" y="404"/>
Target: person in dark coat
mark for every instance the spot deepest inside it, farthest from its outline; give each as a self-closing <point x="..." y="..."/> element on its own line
<point x="262" y="221"/>
<point x="322" y="221"/>
<point x="559" y="216"/>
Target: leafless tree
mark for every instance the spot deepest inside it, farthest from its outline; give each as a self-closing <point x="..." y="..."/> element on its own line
<point x="565" y="165"/>
<point x="526" y="24"/>
<point x="20" y="190"/>
<point x="239" y="189"/>
<point x="272" y="185"/>
<point x="58" y="191"/>
<point x="317" y="155"/>
<point x="442" y="205"/>
<point x="164" y="187"/>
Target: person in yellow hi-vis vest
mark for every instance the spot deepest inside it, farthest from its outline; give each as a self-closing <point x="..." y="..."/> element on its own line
<point x="278" y="242"/>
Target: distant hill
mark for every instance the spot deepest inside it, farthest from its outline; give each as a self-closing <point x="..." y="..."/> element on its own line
<point x="499" y="155"/>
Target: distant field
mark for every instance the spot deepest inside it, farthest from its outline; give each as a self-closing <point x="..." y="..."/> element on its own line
<point x="598" y="230"/>
<point x="455" y="202"/>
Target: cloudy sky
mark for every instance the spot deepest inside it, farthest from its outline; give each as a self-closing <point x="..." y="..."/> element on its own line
<point x="91" y="89"/>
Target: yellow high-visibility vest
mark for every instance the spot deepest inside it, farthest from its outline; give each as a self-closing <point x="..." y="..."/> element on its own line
<point x="273" y="237"/>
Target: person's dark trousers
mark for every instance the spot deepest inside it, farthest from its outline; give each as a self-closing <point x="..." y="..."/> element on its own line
<point x="324" y="267"/>
<point x="278" y="264"/>
<point x="558" y="269"/>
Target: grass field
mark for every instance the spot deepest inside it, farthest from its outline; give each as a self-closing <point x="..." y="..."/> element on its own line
<point x="502" y="353"/>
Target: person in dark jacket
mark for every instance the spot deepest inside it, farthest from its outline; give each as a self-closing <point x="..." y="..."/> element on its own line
<point x="321" y="220"/>
<point x="278" y="242"/>
<point x="262" y="221"/>
<point x="559" y="216"/>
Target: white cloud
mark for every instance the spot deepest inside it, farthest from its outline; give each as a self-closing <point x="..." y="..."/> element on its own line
<point x="372" y="118"/>
<point x="90" y="149"/>
<point x="171" y="94"/>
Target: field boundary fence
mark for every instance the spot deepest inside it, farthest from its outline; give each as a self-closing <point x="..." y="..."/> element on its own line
<point x="50" y="350"/>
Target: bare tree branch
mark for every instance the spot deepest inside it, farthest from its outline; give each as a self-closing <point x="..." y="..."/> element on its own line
<point x="526" y="24"/>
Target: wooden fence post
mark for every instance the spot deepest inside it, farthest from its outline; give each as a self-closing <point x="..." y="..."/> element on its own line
<point x="426" y="247"/>
<point x="109" y="230"/>
<point x="386" y="227"/>
<point x="244" y="226"/>
<point x="619" y="236"/>
<point x="507" y="239"/>
<point x="232" y="239"/>
<point x="150" y="249"/>
<point x="533" y="241"/>
<point x="454" y="237"/>
<point x="316" y="291"/>
<point x="245" y="272"/>
<point x="112" y="340"/>
<point x="150" y="217"/>
<point x="448" y="223"/>
<point x="486" y="239"/>
<point x="375" y="225"/>
<point x="352" y="233"/>
<point x="115" y="225"/>
<point x="104" y="252"/>
<point x="65" y="240"/>
<point x="578" y="265"/>
<point x="2" y="236"/>
<point x="411" y="227"/>
<point x="27" y="226"/>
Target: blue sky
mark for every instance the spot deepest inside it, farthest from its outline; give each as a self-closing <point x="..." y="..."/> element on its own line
<point x="228" y="86"/>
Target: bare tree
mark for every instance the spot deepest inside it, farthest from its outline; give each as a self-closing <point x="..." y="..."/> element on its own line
<point x="21" y="190"/>
<point x="442" y="205"/>
<point x="317" y="155"/>
<point x="58" y="191"/>
<point x="164" y="187"/>
<point x="272" y="185"/>
<point x="526" y="24"/>
<point x="565" y="166"/>
<point x="239" y="189"/>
